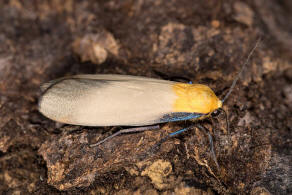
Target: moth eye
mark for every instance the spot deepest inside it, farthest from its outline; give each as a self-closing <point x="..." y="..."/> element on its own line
<point x="215" y="113"/>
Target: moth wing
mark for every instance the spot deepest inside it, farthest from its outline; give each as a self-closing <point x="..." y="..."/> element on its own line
<point x="107" y="100"/>
<point x="104" y="77"/>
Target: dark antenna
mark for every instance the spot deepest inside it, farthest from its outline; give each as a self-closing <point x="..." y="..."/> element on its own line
<point x="243" y="66"/>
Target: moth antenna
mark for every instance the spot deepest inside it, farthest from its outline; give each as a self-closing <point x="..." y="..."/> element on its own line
<point x="243" y="66"/>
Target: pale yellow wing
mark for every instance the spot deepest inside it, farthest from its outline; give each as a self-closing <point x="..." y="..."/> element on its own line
<point x="107" y="100"/>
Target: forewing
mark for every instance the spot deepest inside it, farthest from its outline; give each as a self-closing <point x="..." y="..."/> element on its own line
<point x="107" y="100"/>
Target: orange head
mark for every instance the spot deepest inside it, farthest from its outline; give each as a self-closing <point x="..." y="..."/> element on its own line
<point x="195" y="98"/>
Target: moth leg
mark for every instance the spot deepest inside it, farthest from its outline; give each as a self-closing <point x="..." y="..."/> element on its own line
<point x="202" y="128"/>
<point x="168" y="136"/>
<point x="130" y="130"/>
<point x="179" y="131"/>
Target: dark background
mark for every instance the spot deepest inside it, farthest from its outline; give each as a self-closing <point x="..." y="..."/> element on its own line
<point x="205" y="41"/>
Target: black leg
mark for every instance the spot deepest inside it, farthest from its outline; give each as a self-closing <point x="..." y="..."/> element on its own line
<point x="130" y="130"/>
<point x="202" y="128"/>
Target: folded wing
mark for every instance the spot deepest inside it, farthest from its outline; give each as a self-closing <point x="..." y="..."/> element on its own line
<point x="107" y="100"/>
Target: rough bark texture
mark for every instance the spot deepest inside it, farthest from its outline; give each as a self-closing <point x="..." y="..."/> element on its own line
<point x="204" y="41"/>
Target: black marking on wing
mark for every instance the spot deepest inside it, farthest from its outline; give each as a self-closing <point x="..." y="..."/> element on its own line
<point x="81" y="81"/>
<point x="179" y="116"/>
